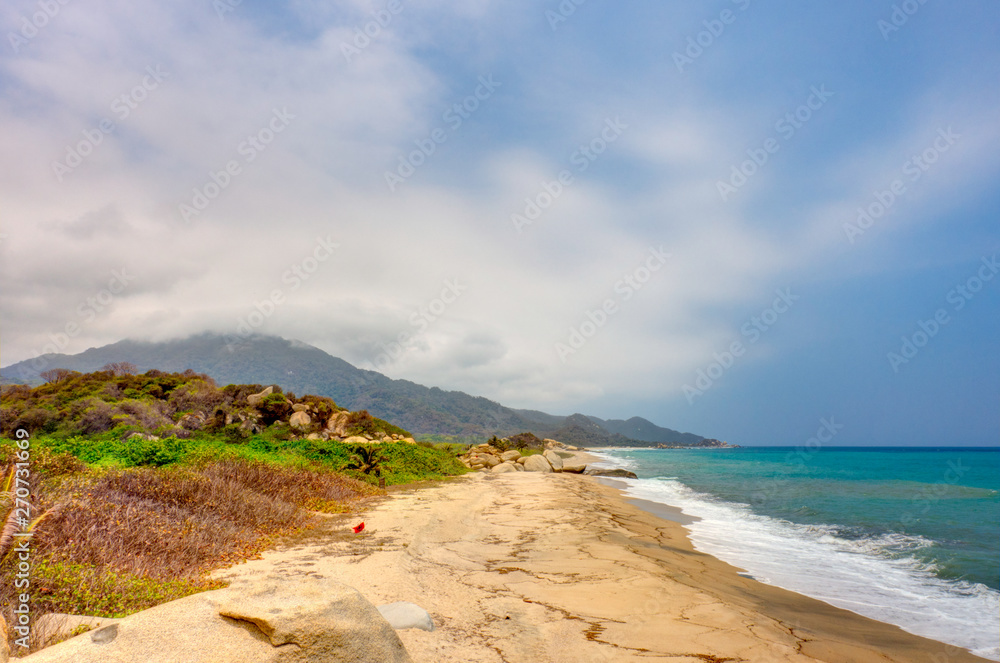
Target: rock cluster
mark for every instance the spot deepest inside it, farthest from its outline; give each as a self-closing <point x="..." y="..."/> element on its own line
<point x="487" y="458"/>
<point x="307" y="419"/>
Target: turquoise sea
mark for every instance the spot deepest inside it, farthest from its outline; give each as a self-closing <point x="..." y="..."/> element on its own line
<point x="909" y="536"/>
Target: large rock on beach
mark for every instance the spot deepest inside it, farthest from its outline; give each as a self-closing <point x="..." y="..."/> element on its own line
<point x="574" y="469"/>
<point x="488" y="460"/>
<point x="504" y="467"/>
<point x="513" y="454"/>
<point x="537" y="464"/>
<point x="554" y="459"/>
<point x="617" y="472"/>
<point x="278" y="620"/>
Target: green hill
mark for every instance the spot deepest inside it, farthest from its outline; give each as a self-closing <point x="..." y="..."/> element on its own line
<point x="303" y="368"/>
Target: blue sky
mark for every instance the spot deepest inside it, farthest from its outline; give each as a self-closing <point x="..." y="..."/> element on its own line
<point x="472" y="266"/>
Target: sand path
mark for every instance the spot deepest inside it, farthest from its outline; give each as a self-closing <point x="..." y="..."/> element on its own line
<point x="530" y="568"/>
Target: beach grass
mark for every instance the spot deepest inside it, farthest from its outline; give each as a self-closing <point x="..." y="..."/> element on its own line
<point x="141" y="522"/>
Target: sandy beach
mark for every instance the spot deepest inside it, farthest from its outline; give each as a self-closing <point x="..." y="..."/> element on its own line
<point x="529" y="567"/>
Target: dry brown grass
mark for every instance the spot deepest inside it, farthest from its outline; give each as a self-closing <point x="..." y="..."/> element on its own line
<point x="130" y="539"/>
<point x="179" y="522"/>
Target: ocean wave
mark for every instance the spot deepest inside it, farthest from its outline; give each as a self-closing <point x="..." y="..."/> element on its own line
<point x="608" y="461"/>
<point x="873" y="574"/>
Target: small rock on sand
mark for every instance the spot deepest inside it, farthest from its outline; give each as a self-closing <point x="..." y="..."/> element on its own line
<point x="404" y="614"/>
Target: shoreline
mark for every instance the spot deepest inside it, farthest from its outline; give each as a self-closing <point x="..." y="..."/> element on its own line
<point x="553" y="567"/>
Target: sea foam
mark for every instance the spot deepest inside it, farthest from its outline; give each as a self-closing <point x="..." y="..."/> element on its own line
<point x="870" y="575"/>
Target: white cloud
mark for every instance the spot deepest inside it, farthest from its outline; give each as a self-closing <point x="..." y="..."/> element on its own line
<point x="323" y="175"/>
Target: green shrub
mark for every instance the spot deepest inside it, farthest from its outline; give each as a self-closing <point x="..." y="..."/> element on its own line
<point x="403" y="463"/>
<point x="322" y="407"/>
<point x="88" y="589"/>
<point x="274" y="407"/>
<point x="280" y="432"/>
<point x="141" y="451"/>
<point x="363" y="423"/>
<point x="235" y="434"/>
<point x="365" y="459"/>
<point x="37" y="420"/>
<point x="96" y="419"/>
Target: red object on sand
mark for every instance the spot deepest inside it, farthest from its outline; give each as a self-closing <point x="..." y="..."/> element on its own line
<point x="358" y="528"/>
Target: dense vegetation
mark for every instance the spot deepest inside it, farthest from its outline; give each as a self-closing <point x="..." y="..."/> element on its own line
<point x="150" y="481"/>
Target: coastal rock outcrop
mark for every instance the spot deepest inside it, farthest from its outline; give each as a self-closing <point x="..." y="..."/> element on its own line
<point x="617" y="472"/>
<point x="486" y="457"/>
<point x="270" y="621"/>
<point x="256" y="399"/>
<point x="337" y="423"/>
<point x="192" y="421"/>
<point x="537" y="464"/>
<point x="489" y="460"/>
<point x="556" y="444"/>
<point x="300" y="420"/>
